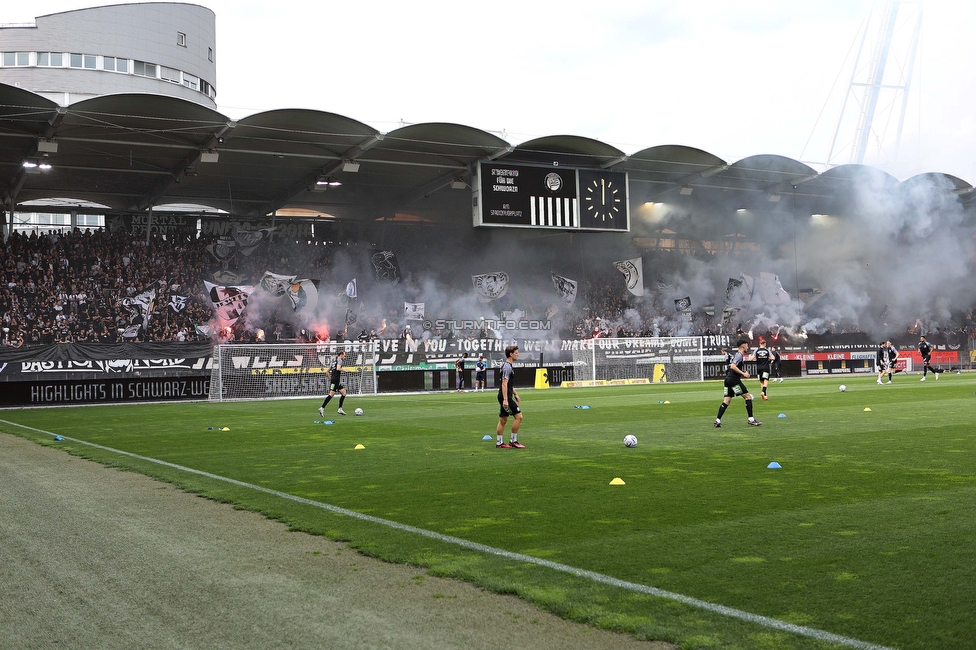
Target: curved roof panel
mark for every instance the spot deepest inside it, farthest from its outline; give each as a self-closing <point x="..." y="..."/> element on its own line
<point x="567" y="150"/>
<point x="133" y="151"/>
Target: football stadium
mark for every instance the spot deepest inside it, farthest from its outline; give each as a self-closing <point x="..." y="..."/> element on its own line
<point x="297" y="322"/>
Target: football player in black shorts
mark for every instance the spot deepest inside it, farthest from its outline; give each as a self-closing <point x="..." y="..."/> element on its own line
<point x="735" y="387"/>
<point x="508" y="402"/>
<point x="892" y="359"/>
<point x="335" y="383"/>
<point x="926" y="351"/>
<point x="764" y="358"/>
<point x="881" y="360"/>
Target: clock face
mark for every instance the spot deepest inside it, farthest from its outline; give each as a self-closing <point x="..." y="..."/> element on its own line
<point x="603" y="200"/>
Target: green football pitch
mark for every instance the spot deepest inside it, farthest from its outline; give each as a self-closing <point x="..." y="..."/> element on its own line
<point x="865" y="536"/>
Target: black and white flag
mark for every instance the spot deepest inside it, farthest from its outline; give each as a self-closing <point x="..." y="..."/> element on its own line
<point x="177" y="303"/>
<point x="683" y="304"/>
<point x="248" y="240"/>
<point x="490" y="286"/>
<point x="386" y="266"/>
<point x="276" y="284"/>
<point x="413" y="310"/>
<point x="566" y="288"/>
<point x="633" y="271"/>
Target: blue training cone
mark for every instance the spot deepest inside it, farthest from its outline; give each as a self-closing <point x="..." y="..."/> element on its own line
<point x="781" y="415"/>
<point x="774" y="465"/>
<point x="487" y="437"/>
<point x="58" y="438"/>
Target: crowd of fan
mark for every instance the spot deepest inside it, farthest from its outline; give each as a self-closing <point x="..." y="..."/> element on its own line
<point x="78" y="286"/>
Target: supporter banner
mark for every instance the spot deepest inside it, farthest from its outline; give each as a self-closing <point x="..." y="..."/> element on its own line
<point x="276" y="284"/>
<point x="413" y="310"/>
<point x="159" y="224"/>
<point x="217" y="226"/>
<point x="64" y="361"/>
<point x="228" y="302"/>
<point x="53" y="393"/>
<point x="248" y="240"/>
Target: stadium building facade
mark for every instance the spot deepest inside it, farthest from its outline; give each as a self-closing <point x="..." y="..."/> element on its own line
<point x="163" y="48"/>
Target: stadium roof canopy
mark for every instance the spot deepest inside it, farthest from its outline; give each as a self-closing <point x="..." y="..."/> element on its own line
<point x="129" y="152"/>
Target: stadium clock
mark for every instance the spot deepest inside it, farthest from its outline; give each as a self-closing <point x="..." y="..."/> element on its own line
<point x="603" y="200"/>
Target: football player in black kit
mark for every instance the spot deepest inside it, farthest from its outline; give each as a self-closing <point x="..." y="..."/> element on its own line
<point x="892" y="359"/>
<point x="734" y="385"/>
<point x="881" y="361"/>
<point x="335" y="383"/>
<point x="926" y="351"/>
<point x="763" y="359"/>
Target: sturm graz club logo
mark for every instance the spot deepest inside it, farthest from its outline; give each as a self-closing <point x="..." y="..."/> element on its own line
<point x="629" y="269"/>
<point x="554" y="182"/>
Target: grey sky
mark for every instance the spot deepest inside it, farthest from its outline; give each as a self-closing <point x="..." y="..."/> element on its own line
<point x="732" y="78"/>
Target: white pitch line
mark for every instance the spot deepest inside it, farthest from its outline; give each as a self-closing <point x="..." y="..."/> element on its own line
<point x="731" y="612"/>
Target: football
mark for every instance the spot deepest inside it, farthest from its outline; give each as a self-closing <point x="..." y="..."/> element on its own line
<point x="630" y="441"/>
<point x="843" y="388"/>
<point x="359" y="411"/>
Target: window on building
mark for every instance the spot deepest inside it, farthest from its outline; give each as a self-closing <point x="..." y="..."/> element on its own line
<point x="181" y="39"/>
<point x="210" y="54"/>
<point x="11" y="59"/>
<point x="75" y="60"/>
<point x="169" y="74"/>
<point x="108" y="63"/>
<point x="190" y="81"/>
<point x="90" y="61"/>
<point x="50" y="59"/>
<point x="144" y="69"/>
<point x="121" y="65"/>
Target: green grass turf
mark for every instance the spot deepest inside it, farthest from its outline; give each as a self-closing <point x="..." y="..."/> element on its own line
<point x="867" y="531"/>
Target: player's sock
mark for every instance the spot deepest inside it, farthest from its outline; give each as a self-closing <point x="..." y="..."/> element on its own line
<point x="327" y="398"/>
<point x="721" y="411"/>
<point x="514" y="436"/>
<point x="749" y="408"/>
<point x="342" y="398"/>
<point x="501" y="438"/>
<point x="763" y="390"/>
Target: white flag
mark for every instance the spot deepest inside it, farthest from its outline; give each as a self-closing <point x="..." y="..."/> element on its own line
<point x="738" y="294"/>
<point x="276" y="284"/>
<point x="633" y="271"/>
<point x="566" y="288"/>
<point x="413" y="310"/>
<point x="772" y="289"/>
<point x="490" y="286"/>
<point x="304" y="294"/>
<point x="351" y="289"/>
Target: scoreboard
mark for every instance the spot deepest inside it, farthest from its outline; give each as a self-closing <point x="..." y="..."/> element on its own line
<point x="528" y="196"/>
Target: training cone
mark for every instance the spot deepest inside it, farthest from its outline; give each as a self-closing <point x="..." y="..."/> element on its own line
<point x="666" y="402"/>
<point x="781" y="415"/>
<point x="487" y="437"/>
<point x="225" y="428"/>
<point x="210" y="428"/>
<point x="867" y="408"/>
<point x="774" y="465"/>
<point x="58" y="438"/>
<point x="617" y="481"/>
<point x="359" y="447"/>
<point x="328" y="421"/>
